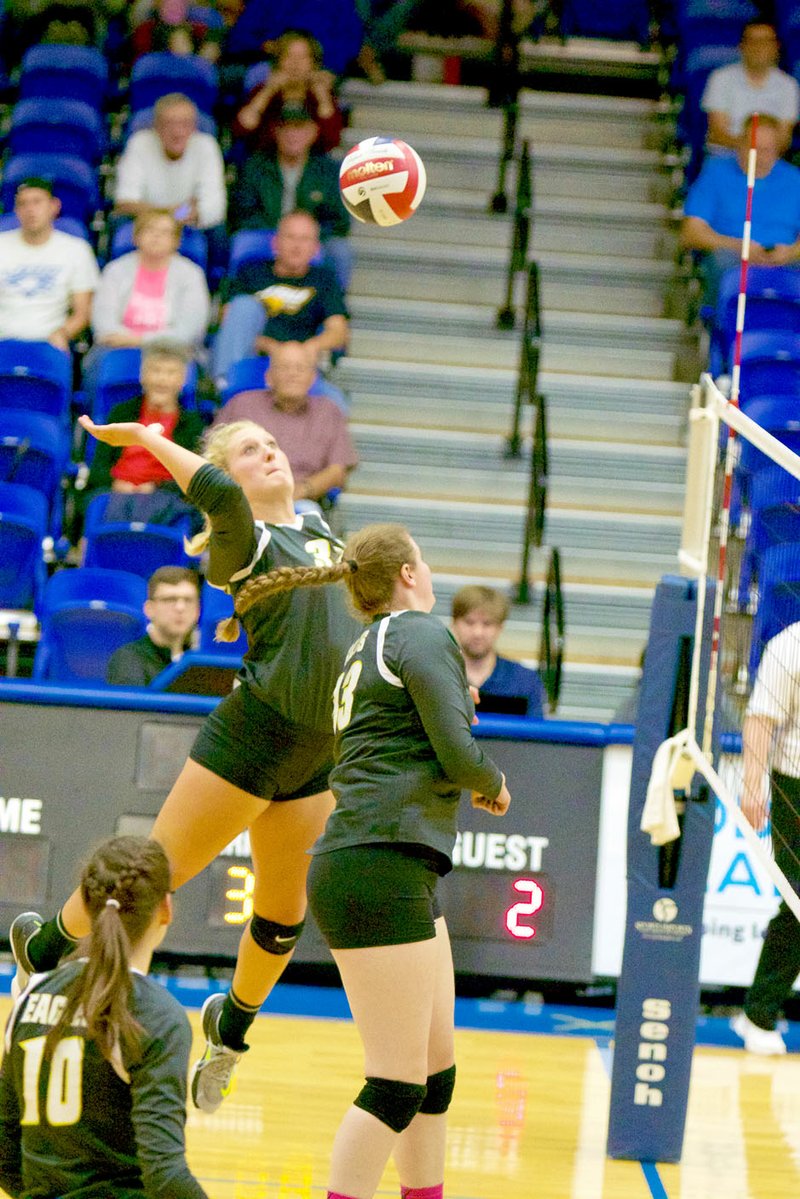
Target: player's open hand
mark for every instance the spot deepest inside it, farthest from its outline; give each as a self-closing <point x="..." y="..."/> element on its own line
<point x="123" y="433"/>
<point x="497" y="806"/>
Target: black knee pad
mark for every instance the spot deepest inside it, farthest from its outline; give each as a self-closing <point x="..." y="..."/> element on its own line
<point x="439" y="1092"/>
<point x="392" y="1102"/>
<point x="273" y="937"/>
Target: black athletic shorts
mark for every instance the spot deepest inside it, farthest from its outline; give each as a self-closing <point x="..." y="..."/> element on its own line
<point x="252" y="746"/>
<point x="366" y="895"/>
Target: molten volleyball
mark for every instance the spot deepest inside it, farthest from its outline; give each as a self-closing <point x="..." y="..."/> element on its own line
<point x="382" y="181"/>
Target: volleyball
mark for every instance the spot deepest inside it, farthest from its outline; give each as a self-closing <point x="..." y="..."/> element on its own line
<point x="382" y="181"/>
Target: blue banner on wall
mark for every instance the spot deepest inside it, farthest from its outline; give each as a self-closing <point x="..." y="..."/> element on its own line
<point x="659" y="990"/>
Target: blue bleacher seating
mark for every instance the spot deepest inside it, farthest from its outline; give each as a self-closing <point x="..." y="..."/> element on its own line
<point x="193" y="243"/>
<point x="87" y="614"/>
<point x="216" y="605"/>
<point x="34" y="451"/>
<point x="155" y="75"/>
<point x="778" y="596"/>
<point x="72" y="126"/>
<point x="142" y="547"/>
<point x="23" y="527"/>
<point x="692" y="123"/>
<point x="774" y="517"/>
<point x="144" y="120"/>
<point x="616" y="19"/>
<point x="67" y="224"/>
<point x="256" y="245"/>
<point x="36" y="377"/>
<point x="773" y="304"/>
<point x="770" y="365"/>
<point x="65" y="73"/>
<point x="74" y="182"/>
<point x="248" y="375"/>
<point x="780" y="416"/>
<point x="118" y="380"/>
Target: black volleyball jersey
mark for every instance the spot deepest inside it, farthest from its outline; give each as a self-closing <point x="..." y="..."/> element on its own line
<point x="74" y="1126"/>
<point x="297" y="639"/>
<point x="402" y="715"/>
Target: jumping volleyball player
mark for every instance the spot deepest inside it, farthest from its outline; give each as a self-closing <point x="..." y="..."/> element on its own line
<point x="403" y="714"/>
<point x="261" y="760"/>
<point x="93" y="1086"/>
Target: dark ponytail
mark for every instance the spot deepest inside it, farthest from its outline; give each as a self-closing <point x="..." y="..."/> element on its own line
<point x="122" y="885"/>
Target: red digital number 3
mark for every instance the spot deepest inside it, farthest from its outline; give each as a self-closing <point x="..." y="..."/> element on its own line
<point x="515" y="914"/>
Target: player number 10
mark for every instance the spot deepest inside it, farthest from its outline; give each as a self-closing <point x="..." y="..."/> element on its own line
<point x="241" y="894"/>
<point x="529" y="907"/>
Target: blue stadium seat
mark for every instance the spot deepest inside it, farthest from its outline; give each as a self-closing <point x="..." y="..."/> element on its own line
<point x="155" y="75"/>
<point x="770" y="365"/>
<point x="778" y="596"/>
<point x="23" y="528"/>
<point x="34" y="451"/>
<point x="65" y="73"/>
<point x="73" y="126"/>
<point x="216" y="605"/>
<point x="773" y="305"/>
<point x="256" y="245"/>
<point x="74" y="182"/>
<point x="780" y="416"/>
<point x="67" y="224"/>
<point x="87" y="614"/>
<point x="248" y="375"/>
<point x="615" y="19"/>
<point x="691" y="79"/>
<point x="142" y="547"/>
<point x="193" y="243"/>
<point x="774" y="503"/>
<point x="144" y="120"/>
<point x="36" y="377"/>
<point x="118" y="380"/>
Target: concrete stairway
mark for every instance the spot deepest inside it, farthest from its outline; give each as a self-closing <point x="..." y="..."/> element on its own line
<point x="433" y="380"/>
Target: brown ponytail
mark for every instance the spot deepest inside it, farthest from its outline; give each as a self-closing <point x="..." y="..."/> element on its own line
<point x="283" y="578"/>
<point x="122" y="885"/>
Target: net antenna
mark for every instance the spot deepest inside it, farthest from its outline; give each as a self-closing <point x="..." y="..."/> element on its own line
<point x="681" y="757"/>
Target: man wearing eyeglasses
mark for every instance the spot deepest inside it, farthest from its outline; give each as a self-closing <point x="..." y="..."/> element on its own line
<point x="172" y="609"/>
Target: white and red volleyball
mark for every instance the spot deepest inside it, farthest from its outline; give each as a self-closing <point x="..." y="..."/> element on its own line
<point x="382" y="181"/>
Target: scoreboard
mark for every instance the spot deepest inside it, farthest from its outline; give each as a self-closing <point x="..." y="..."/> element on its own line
<point x="519" y="902"/>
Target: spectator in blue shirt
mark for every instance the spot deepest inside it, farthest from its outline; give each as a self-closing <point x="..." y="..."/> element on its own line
<point x="715" y="208"/>
<point x="479" y="614"/>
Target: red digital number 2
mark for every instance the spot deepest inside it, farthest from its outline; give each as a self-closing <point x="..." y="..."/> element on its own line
<point x="515" y="914"/>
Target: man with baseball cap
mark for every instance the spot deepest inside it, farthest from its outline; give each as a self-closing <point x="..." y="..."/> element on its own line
<point x="47" y="277"/>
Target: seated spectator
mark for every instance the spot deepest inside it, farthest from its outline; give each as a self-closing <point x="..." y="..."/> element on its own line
<point x="287" y="299"/>
<point x="46" y="277"/>
<point x="297" y="79"/>
<point x="172" y="609"/>
<point x="153" y="291"/>
<point x="311" y="429"/>
<point x="169" y="26"/>
<point x="134" y="472"/>
<point x="479" y="614"/>
<point x="289" y="177"/>
<point x="715" y="207"/>
<point x="753" y="85"/>
<point x="174" y="166"/>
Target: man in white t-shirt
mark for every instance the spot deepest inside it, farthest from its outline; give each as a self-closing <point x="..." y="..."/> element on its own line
<point x="47" y="278"/>
<point x="771" y="748"/>
<point x="755" y="84"/>
<point x="175" y="166"/>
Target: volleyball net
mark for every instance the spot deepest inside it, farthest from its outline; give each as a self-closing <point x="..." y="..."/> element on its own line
<point x="741" y="539"/>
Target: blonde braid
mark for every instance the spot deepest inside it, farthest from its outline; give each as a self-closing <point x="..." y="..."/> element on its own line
<point x="283" y="578"/>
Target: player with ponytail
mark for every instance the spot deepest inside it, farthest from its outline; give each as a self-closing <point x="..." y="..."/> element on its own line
<point x="93" y="1085"/>
<point x="262" y="758"/>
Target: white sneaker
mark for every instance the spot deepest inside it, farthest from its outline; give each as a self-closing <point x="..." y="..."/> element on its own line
<point x="764" y="1041"/>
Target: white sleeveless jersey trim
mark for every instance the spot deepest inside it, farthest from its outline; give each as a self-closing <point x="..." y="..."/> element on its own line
<point x="264" y="536"/>
<point x="386" y="674"/>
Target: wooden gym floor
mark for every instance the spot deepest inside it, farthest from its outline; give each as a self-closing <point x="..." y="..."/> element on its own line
<point x="528" y="1120"/>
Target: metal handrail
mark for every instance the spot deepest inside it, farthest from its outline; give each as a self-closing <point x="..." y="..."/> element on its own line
<point x="504" y="93"/>
<point x="551" y="648"/>
<point x="520" y="236"/>
<point x="536" y="513"/>
<point x="530" y="354"/>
